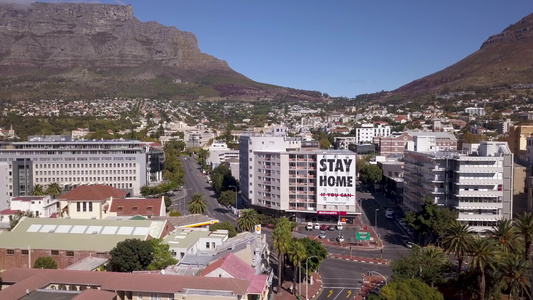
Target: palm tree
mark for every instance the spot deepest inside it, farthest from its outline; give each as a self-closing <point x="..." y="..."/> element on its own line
<point x="505" y="235"/>
<point x="248" y="219"/>
<point x="524" y="228"/>
<point x="37" y="190"/>
<point x="53" y="190"/>
<point x="282" y="237"/>
<point x="432" y="261"/>
<point x="514" y="276"/>
<point x="197" y="204"/>
<point x="457" y="240"/>
<point x="484" y="253"/>
<point x="297" y="254"/>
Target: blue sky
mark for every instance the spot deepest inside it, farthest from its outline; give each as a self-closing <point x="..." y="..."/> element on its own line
<point x="339" y="47"/>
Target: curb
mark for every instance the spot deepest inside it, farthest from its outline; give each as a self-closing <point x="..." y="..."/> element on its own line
<point x="319" y="290"/>
<point x="361" y="260"/>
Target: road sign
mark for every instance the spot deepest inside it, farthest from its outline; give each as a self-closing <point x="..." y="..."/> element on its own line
<point x="365" y="236"/>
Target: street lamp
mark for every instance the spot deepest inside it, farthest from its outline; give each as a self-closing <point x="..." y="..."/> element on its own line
<point x="306" y="273"/>
<point x="376" y="219"/>
<point x="236" y="199"/>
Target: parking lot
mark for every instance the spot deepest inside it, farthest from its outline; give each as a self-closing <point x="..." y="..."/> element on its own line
<point x="331" y="232"/>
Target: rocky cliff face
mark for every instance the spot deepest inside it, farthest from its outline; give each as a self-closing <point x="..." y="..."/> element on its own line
<point x="70" y="35"/>
<point x="78" y="35"/>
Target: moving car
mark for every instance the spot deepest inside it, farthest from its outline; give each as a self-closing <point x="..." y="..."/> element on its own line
<point x="340" y="238"/>
<point x="322" y="235"/>
<point x="409" y="244"/>
<point x="389" y="213"/>
<point x="309" y="226"/>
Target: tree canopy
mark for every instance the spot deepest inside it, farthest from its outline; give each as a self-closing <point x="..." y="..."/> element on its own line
<point x="130" y="255"/>
<point x="162" y="255"/>
<point x="232" y="231"/>
<point x="45" y="262"/>
<point x="197" y="205"/>
<point x="407" y="289"/>
<point x="431" y="222"/>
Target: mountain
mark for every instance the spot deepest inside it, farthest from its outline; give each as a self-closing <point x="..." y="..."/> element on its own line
<point x="504" y="60"/>
<point x="81" y="50"/>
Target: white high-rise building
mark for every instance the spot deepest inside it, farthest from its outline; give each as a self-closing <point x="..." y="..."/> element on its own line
<point x="479" y="185"/>
<point x="276" y="175"/>
<point x="367" y="132"/>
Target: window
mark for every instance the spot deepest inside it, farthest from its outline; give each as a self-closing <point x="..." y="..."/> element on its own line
<point x="207" y="245"/>
<point x="84" y="206"/>
<point x="134" y="208"/>
<point x="90" y="206"/>
<point x="70" y="253"/>
<point x="54" y="252"/>
<point x="10" y="252"/>
<point x="25" y="251"/>
<point x="78" y="206"/>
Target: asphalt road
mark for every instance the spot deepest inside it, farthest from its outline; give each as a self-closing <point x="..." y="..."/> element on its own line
<point x="196" y="182"/>
<point x="342" y="279"/>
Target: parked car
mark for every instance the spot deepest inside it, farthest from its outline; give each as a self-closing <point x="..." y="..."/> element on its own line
<point x="339" y="226"/>
<point x="389" y="213"/>
<point x="309" y="226"/>
<point x="331" y="227"/>
<point x="317" y="226"/>
<point x="340" y="238"/>
<point x="322" y="235"/>
<point x="324" y="227"/>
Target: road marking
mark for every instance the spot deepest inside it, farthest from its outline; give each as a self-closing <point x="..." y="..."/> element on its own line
<point x="338" y="294"/>
<point x="349" y="293"/>
<point x="330" y="292"/>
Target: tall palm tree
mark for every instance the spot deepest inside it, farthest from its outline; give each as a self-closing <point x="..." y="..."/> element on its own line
<point x="248" y="219"/>
<point x="282" y="237"/>
<point x="524" y="227"/>
<point x="514" y="275"/>
<point x="432" y="261"/>
<point x="38" y="190"/>
<point x="457" y="240"/>
<point x="297" y="254"/>
<point x="53" y="190"/>
<point x="505" y="235"/>
<point x="197" y="204"/>
<point x="484" y="253"/>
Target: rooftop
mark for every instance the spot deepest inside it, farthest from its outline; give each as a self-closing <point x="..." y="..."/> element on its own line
<point x="93" y="192"/>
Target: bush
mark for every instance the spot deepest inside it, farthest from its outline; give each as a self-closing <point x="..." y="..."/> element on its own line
<point x="45" y="262"/>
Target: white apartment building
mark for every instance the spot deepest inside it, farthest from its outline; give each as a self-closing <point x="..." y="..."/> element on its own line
<point x="124" y="164"/>
<point x="40" y="206"/>
<point x="312" y="185"/>
<point x="480" y="111"/>
<point x="220" y="153"/>
<point x="479" y="185"/>
<point x="367" y="132"/>
<point x="5" y="174"/>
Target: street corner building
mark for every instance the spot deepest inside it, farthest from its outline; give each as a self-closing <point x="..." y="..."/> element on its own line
<point x="280" y="177"/>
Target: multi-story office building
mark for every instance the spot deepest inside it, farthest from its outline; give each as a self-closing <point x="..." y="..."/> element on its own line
<point x="367" y="132"/>
<point x="124" y="164"/>
<point x="479" y="185"/>
<point x="312" y="185"/>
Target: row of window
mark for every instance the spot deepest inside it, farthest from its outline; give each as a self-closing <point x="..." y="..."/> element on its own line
<point x="26" y="252"/>
<point x="86" y="172"/>
<point x="85" y="179"/>
<point x="102" y="165"/>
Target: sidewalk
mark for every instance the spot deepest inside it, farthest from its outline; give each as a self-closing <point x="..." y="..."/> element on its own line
<point x="285" y="294"/>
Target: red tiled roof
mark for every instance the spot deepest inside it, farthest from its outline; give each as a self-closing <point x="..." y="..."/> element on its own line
<point x="257" y="286"/>
<point x="93" y="192"/>
<point x="9" y="212"/>
<point x="30" y="279"/>
<point x="233" y="265"/>
<point x="133" y="207"/>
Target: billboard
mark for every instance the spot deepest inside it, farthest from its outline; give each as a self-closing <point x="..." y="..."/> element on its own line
<point x="336" y="179"/>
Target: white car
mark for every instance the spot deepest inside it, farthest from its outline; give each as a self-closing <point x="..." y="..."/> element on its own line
<point x="309" y="226"/>
<point x="389" y="213"/>
<point x="339" y="226"/>
<point x="317" y="225"/>
<point x="322" y="235"/>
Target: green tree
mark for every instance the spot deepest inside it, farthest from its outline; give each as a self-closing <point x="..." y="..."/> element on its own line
<point x="16" y="218"/>
<point x="232" y="231"/>
<point x="484" y="253"/>
<point x="222" y="179"/>
<point x="428" y="264"/>
<point x="297" y="254"/>
<point x="45" y="262"/>
<point x="130" y="255"/>
<point x="227" y="198"/>
<point x="248" y="219"/>
<point x="370" y="175"/>
<point x="162" y="255"/>
<point x="457" y="241"/>
<point x="505" y="235"/>
<point x="314" y="248"/>
<point x="431" y="222"/>
<point x="53" y="190"/>
<point x="37" y="190"/>
<point x="282" y="237"/>
<point x="514" y="276"/>
<point x="168" y="202"/>
<point x="524" y="228"/>
<point x="408" y="289"/>
<point x="197" y="205"/>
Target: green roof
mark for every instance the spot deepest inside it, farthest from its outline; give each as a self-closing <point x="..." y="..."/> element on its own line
<point x="77" y="234"/>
